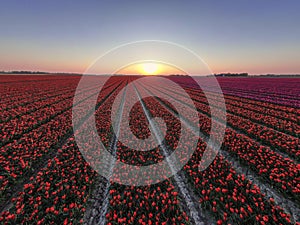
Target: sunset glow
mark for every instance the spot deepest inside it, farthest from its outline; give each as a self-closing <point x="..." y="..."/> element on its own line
<point x="41" y="36"/>
<point x="150" y="68"/>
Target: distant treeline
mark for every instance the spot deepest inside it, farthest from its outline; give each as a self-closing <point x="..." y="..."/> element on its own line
<point x="232" y="75"/>
<point x="36" y="73"/>
<point x="23" y="72"/>
<point x="280" y="75"/>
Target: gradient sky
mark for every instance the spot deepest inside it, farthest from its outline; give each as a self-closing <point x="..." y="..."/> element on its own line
<point x="258" y="37"/>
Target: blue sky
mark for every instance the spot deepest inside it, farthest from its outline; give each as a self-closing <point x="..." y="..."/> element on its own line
<point x="231" y="36"/>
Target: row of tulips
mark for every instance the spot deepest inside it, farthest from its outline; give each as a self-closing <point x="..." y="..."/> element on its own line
<point x="20" y="157"/>
<point x="277" y="111"/>
<point x="230" y="197"/>
<point x="59" y="192"/>
<point x="47" y="95"/>
<point x="282" y="91"/>
<point x="14" y="128"/>
<point x="287" y="125"/>
<point x="20" y="92"/>
<point x="268" y="136"/>
<point x="283" y="111"/>
<point x="132" y="205"/>
<point x="281" y="172"/>
<point x="37" y="104"/>
<point x="150" y="204"/>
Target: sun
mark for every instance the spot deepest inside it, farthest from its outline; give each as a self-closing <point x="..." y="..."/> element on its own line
<point x="150" y="68"/>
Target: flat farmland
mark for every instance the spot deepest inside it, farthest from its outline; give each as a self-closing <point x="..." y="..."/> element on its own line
<point x="45" y="178"/>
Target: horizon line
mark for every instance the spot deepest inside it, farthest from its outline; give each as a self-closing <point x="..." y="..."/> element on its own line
<point x="32" y="72"/>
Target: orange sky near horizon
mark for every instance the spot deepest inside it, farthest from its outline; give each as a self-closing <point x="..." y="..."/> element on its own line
<point x="150" y="68"/>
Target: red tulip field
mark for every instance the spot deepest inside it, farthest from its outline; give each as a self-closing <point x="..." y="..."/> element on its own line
<point x="46" y="178"/>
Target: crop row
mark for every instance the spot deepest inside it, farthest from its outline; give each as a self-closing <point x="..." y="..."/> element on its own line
<point x="256" y="100"/>
<point x="229" y="195"/>
<point x="59" y="191"/>
<point x="150" y="204"/>
<point x="17" y="94"/>
<point x="20" y="157"/>
<point x="280" y="172"/>
<point x="287" y="125"/>
<point x="268" y="136"/>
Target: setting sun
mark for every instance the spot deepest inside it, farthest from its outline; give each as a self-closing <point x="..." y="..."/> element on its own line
<point x="150" y="68"/>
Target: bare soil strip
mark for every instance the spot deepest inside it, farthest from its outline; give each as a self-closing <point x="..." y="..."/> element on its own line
<point x="99" y="200"/>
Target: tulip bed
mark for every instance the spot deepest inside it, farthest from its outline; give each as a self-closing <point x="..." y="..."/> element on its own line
<point x="40" y="160"/>
<point x="22" y="156"/>
<point x="268" y="136"/>
<point x="281" y="172"/>
<point x="32" y="106"/>
<point x="151" y="204"/>
<point x="241" y="120"/>
<point x="279" y="91"/>
<point x="272" y="92"/>
<point x="250" y="112"/>
<point x="58" y="192"/>
<point x="281" y="87"/>
<point x="231" y="197"/>
<point x="33" y="90"/>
